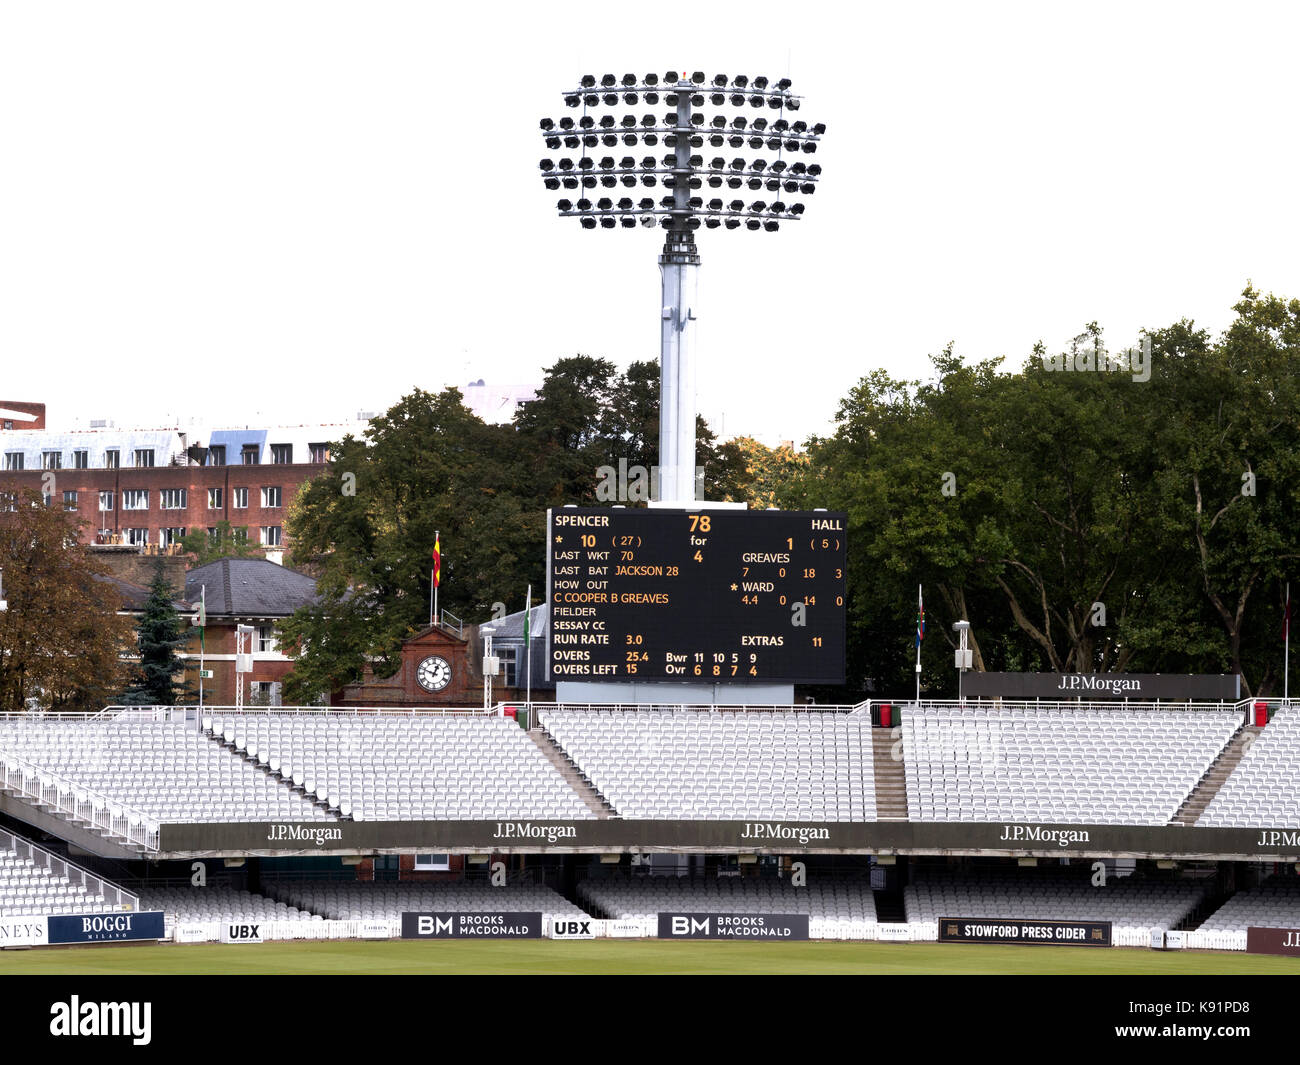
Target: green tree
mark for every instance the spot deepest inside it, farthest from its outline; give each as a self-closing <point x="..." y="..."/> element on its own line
<point x="62" y="639"/>
<point x="226" y="542"/>
<point x="161" y="633"/>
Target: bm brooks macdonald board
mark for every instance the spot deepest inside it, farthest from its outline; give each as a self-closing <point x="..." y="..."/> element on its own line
<point x="707" y="596"/>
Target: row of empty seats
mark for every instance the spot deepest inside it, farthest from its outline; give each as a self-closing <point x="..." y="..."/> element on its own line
<point x="1058" y="766"/>
<point x="27" y="887"/>
<point x="1263" y="791"/>
<point x="388" y="901"/>
<point x="1273" y="903"/>
<point x="645" y="896"/>
<point x="1134" y="906"/>
<point x="725" y="765"/>
<point x="388" y="767"/>
<point x="167" y="772"/>
<point x="219" y="903"/>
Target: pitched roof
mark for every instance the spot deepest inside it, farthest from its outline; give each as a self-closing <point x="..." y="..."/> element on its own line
<point x="250" y="587"/>
<point x="135" y="596"/>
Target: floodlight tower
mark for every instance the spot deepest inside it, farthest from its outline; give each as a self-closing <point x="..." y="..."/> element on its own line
<point x="682" y="173"/>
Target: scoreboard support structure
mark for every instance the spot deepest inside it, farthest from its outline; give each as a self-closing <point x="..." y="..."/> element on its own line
<point x="698" y="605"/>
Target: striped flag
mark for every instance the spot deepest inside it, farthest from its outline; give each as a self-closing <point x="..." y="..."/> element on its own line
<point x="437" y="560"/>
<point x="1286" y="617"/>
<point x="920" y="618"/>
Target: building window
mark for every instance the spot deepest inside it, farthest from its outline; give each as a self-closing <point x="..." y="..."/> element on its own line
<point x="240" y="535"/>
<point x="69" y="500"/>
<point x="143" y="456"/>
<point x="319" y="452"/>
<point x="137" y="537"/>
<point x="509" y="666"/>
<point x="271" y="497"/>
<point x="81" y="459"/>
<point x="432" y="863"/>
<point x="282" y="454"/>
<point x="51" y="460"/>
<point x="13" y="460"/>
<point x="217" y="455"/>
<point x="8" y="424"/>
<point x="214" y="498"/>
<point x="266" y="639"/>
<point x="167" y="537"/>
<point x="112" y="459"/>
<point x="239" y="498"/>
<point x="271" y="535"/>
<point x="250" y="455"/>
<point x="173" y="498"/>
<point x="135" y="499"/>
<point x="105" y="500"/>
<point x="8" y="501"/>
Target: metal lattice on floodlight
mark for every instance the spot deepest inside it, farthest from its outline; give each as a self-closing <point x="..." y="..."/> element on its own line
<point x="682" y="172"/>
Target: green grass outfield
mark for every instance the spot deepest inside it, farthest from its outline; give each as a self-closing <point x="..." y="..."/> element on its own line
<point x="610" y="956"/>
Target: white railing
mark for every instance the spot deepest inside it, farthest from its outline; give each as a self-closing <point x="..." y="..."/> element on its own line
<point x="115" y="898"/>
<point x="338" y="711"/>
<point x="77" y="803"/>
<point x="715" y="708"/>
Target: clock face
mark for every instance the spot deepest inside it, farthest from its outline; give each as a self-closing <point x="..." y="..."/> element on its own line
<point x="433" y="673"/>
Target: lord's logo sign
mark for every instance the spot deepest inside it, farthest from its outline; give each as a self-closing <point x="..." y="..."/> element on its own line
<point x="1273" y="941"/>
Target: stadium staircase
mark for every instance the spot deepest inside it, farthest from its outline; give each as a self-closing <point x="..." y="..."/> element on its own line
<point x="278" y="775"/>
<point x="891" y="783"/>
<point x="1215" y="777"/>
<point x="593" y="799"/>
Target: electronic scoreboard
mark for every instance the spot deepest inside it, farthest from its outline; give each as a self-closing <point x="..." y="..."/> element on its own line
<point x="707" y="596"/>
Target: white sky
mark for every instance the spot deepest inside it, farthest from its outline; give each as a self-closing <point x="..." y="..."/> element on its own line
<point x="297" y="210"/>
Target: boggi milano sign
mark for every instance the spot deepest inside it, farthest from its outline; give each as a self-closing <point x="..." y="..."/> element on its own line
<point x="1207" y="687"/>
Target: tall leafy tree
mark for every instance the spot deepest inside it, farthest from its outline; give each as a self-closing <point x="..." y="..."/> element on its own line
<point x="62" y="640"/>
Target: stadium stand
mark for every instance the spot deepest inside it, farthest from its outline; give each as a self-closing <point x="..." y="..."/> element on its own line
<point x="165" y="771"/>
<point x="1088" y="766"/>
<point x="834" y="902"/>
<point x="1262" y="792"/>
<point x="1134" y="905"/>
<point x="380" y="767"/>
<point x="34" y="881"/>
<point x="1273" y="903"/>
<point x="342" y="901"/>
<point x="218" y="903"/>
<point x="729" y="764"/>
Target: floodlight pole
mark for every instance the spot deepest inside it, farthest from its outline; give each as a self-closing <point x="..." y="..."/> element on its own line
<point x="679" y="266"/>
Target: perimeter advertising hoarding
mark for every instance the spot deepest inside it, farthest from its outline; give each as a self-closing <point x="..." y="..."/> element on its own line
<point x="733" y="926"/>
<point x="1273" y="941"/>
<point x="1017" y="930"/>
<point x="106" y="927"/>
<point x="445" y="924"/>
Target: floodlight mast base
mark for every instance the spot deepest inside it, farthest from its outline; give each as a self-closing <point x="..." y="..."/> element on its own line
<point x="679" y="266"/>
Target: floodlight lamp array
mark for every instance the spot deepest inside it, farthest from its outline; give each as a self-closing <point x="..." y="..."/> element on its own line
<point x="682" y="171"/>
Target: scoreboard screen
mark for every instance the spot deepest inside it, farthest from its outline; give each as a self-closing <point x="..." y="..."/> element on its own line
<point x="707" y="596"/>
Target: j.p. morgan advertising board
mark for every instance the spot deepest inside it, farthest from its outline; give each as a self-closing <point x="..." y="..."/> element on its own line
<point x="733" y="926"/>
<point x="448" y="925"/>
<point x="1015" y="930"/>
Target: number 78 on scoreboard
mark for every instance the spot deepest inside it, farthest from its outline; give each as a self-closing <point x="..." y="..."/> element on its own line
<point x="700" y="595"/>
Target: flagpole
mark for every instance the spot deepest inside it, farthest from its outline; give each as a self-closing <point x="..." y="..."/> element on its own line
<point x="920" y="622"/>
<point x="203" y="620"/>
<point x="528" y="654"/>
<point x="1286" y="653"/>
<point x="433" y="579"/>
